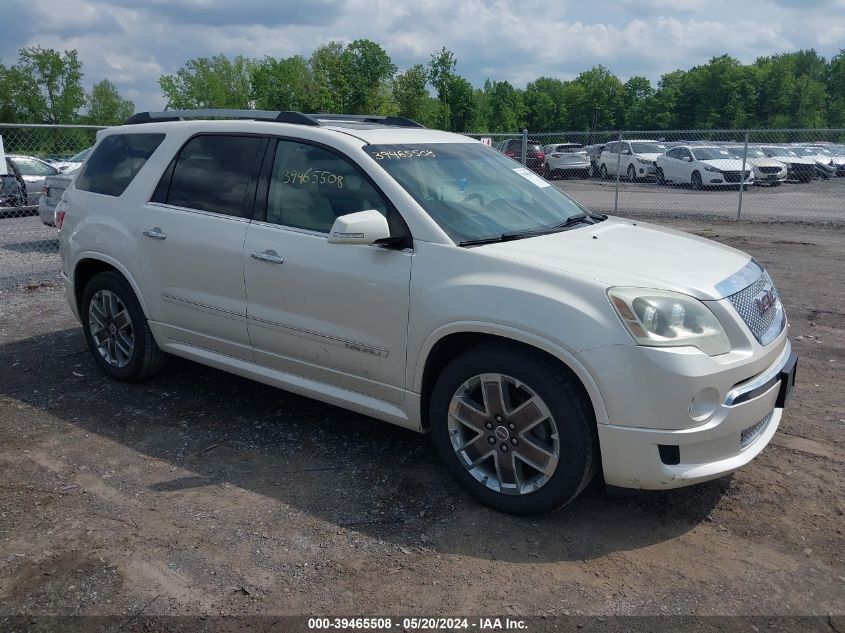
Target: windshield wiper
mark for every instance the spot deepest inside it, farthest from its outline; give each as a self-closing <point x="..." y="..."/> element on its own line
<point x="518" y="235"/>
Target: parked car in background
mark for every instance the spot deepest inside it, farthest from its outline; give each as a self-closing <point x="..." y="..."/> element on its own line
<point x="800" y="168"/>
<point x="837" y="156"/>
<point x="593" y="154"/>
<point x="765" y="170"/>
<point x="54" y="187"/>
<point x="34" y="172"/>
<point x="564" y="160"/>
<point x="12" y="188"/>
<point x="702" y="166"/>
<point x="534" y="156"/>
<point x="634" y="159"/>
<point x="72" y="163"/>
<point x="824" y="162"/>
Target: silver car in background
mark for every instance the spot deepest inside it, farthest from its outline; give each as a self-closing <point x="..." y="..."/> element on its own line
<point x="34" y="172"/>
<point x="565" y="160"/>
<point x="54" y="187"/>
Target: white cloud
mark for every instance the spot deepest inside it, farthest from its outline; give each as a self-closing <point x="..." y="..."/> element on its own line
<point x="133" y="43"/>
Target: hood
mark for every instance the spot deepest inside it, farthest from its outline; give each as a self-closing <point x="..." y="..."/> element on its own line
<point x="728" y="164"/>
<point x="620" y="252"/>
<point x="764" y="162"/>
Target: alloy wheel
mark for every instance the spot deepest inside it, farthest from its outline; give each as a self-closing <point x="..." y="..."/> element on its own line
<point x="111" y="328"/>
<point x="503" y="434"/>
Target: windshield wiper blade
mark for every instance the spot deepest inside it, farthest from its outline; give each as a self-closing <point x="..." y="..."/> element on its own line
<point x="518" y="235"/>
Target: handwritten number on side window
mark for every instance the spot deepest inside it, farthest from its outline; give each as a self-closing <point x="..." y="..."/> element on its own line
<point x="312" y="177"/>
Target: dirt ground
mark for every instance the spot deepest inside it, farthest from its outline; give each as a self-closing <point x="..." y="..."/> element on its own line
<point x="198" y="492"/>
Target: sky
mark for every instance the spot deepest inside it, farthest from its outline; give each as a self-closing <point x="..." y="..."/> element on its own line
<point x="133" y="42"/>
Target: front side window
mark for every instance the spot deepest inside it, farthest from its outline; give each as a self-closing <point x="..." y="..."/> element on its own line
<point x="310" y="187"/>
<point x="116" y="161"/>
<point x="474" y="192"/>
<point x="213" y="173"/>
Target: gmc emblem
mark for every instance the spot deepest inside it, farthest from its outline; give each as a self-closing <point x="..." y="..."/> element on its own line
<point x="765" y="300"/>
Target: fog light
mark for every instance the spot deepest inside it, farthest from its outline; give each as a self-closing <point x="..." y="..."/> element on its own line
<point x="703" y="404"/>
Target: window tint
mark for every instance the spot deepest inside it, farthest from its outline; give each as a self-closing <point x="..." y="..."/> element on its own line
<point x="213" y="172"/>
<point x="116" y="161"/>
<point x="310" y="187"/>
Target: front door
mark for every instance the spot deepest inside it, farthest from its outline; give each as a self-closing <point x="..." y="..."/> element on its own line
<point x="335" y="313"/>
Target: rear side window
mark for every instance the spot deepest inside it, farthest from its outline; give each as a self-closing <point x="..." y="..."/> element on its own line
<point x="116" y="161"/>
<point x="213" y="173"/>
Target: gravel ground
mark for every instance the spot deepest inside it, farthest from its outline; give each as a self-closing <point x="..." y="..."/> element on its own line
<point x="198" y="492"/>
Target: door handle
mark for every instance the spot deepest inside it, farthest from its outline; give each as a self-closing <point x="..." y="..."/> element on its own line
<point x="268" y="256"/>
<point x="156" y="234"/>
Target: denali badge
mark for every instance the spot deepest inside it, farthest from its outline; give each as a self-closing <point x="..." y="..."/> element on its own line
<point x="765" y="299"/>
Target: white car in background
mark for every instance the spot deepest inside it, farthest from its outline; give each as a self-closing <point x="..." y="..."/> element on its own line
<point x="634" y="159"/>
<point x="702" y="166"/>
<point x="72" y="163"/>
<point x="800" y="168"/>
<point x="765" y="170"/>
<point x="566" y="159"/>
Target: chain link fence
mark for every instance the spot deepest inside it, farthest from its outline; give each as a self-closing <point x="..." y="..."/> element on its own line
<point x="39" y="164"/>
<point x="756" y="175"/>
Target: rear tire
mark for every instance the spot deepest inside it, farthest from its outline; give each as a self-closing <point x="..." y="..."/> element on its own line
<point x="492" y="465"/>
<point x="632" y="173"/>
<point x="603" y="172"/>
<point x="117" y="331"/>
<point x="661" y="177"/>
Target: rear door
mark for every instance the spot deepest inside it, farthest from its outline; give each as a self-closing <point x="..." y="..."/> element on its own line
<point x="334" y="313"/>
<point x="191" y="242"/>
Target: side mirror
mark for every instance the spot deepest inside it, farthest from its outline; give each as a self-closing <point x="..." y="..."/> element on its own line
<point x="626" y="152"/>
<point x="363" y="227"/>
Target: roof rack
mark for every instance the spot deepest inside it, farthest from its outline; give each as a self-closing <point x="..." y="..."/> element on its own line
<point x="296" y="118"/>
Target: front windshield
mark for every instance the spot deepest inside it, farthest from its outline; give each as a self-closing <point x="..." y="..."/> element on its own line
<point x="753" y="152"/>
<point x="474" y="192"/>
<point x="780" y="151"/>
<point x="711" y="153"/>
<point x="648" y="148"/>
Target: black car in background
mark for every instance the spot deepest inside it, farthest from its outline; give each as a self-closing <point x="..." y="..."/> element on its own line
<point x="12" y="188"/>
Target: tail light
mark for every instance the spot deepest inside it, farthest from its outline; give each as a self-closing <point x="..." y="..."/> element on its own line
<point x="510" y="153"/>
<point x="46" y="190"/>
<point x="539" y="155"/>
<point x="59" y="215"/>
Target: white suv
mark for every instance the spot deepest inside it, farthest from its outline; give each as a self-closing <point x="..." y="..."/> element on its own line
<point x="424" y="279"/>
<point x="630" y="159"/>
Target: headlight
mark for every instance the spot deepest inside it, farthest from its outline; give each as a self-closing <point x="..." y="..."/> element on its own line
<point x="709" y="168"/>
<point x="660" y="318"/>
<point x="644" y="161"/>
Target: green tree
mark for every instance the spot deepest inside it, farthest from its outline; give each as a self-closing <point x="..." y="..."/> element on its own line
<point x="369" y="69"/>
<point x="441" y="70"/>
<point x="836" y="90"/>
<point x="46" y="85"/>
<point x="545" y="107"/>
<point x="507" y="108"/>
<point x="210" y="82"/>
<point x="106" y="106"/>
<point x="281" y="84"/>
<point x="412" y="97"/>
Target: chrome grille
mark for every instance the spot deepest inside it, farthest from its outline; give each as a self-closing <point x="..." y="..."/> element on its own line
<point x="766" y="326"/>
<point x="753" y="432"/>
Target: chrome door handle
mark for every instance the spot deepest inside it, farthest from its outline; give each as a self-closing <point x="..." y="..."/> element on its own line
<point x="269" y="257"/>
<point x="156" y="234"/>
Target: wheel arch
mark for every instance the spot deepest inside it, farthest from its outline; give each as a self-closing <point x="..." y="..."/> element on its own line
<point x="449" y="342"/>
<point x="90" y="264"/>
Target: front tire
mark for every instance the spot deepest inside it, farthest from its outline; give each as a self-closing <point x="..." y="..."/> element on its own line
<point x="514" y="428"/>
<point x="696" y="182"/>
<point x="632" y="173"/>
<point x="603" y="172"/>
<point x="117" y="331"/>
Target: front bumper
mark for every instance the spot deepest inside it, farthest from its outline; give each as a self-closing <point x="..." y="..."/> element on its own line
<point x="737" y="431"/>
